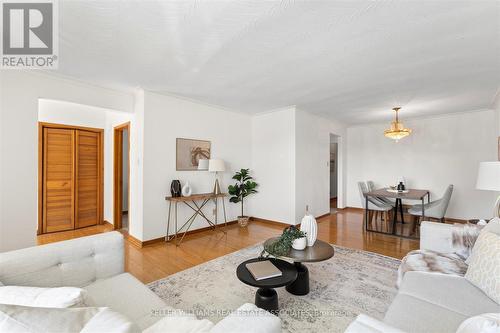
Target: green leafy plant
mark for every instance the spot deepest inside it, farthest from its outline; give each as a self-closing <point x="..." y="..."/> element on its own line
<point x="282" y="245"/>
<point x="243" y="187"/>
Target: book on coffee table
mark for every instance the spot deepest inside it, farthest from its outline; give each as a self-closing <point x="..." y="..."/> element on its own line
<point x="262" y="270"/>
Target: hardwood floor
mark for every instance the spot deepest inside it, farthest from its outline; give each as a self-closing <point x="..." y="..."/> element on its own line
<point x="153" y="262"/>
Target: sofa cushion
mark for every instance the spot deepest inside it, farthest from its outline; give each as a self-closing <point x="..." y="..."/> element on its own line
<point x="73" y="263"/>
<point x="14" y="318"/>
<point x="433" y="302"/>
<point x="441" y="290"/>
<point x="484" y="265"/>
<point x="413" y="315"/>
<point x="127" y="295"/>
<point x="63" y="297"/>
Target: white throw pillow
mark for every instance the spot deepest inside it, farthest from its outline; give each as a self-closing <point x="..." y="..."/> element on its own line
<point x="14" y="318"/>
<point x="63" y="297"/>
<point x="484" y="323"/>
<point x="492" y="226"/>
<point x="484" y="265"/>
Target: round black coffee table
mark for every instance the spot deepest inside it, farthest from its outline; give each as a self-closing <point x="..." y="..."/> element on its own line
<point x="318" y="252"/>
<point x="266" y="297"/>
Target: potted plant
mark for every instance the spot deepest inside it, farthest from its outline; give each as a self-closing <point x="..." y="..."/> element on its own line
<point x="291" y="237"/>
<point x="239" y="191"/>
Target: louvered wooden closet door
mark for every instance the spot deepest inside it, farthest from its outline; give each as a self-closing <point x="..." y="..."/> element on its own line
<point x="87" y="178"/>
<point x="58" y="175"/>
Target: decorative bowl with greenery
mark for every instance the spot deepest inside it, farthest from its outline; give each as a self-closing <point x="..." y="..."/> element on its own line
<point x="239" y="191"/>
<point x="283" y="244"/>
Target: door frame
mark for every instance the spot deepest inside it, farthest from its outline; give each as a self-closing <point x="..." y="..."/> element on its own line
<point x="100" y="131"/>
<point x="118" y="173"/>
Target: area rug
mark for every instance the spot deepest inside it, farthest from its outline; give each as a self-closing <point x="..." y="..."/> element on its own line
<point x="350" y="283"/>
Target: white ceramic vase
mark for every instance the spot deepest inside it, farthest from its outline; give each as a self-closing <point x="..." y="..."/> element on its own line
<point x="310" y="227"/>
<point x="299" y="243"/>
<point x="186" y="190"/>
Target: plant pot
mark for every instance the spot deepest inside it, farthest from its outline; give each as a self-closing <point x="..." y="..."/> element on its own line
<point x="299" y="243"/>
<point x="243" y="221"/>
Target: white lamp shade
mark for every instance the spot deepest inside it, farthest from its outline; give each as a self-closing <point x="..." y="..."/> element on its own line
<point x="488" y="176"/>
<point x="203" y="164"/>
<point x="216" y="165"/>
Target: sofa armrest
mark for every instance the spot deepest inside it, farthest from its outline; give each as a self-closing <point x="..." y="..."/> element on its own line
<point x="248" y="319"/>
<point x="436" y="237"/>
<point x="72" y="263"/>
<point x="367" y="324"/>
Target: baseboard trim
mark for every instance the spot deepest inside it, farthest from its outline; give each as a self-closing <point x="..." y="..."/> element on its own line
<point x="140" y="244"/>
<point x="283" y="224"/>
<point x="272" y="222"/>
<point x="134" y="241"/>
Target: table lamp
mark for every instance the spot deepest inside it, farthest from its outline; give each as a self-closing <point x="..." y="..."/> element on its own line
<point x="488" y="178"/>
<point x="216" y="165"/>
<point x="203" y="164"/>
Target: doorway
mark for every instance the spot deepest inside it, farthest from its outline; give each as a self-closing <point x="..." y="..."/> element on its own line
<point x="334" y="166"/>
<point x="121" y="178"/>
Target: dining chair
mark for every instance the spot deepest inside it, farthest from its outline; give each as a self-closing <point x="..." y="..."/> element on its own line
<point x="374" y="205"/>
<point x="434" y="209"/>
<point x="387" y="201"/>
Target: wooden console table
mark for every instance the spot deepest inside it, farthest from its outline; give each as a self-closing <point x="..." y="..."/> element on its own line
<point x="193" y="203"/>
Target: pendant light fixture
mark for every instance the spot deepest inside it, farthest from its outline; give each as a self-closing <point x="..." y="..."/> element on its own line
<point x="397" y="130"/>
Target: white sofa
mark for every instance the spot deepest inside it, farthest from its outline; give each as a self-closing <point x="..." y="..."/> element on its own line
<point x="430" y="302"/>
<point x="96" y="264"/>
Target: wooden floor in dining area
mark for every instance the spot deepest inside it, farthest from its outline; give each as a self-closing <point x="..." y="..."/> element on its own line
<point x="156" y="261"/>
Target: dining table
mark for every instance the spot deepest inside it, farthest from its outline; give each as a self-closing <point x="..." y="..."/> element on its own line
<point x="399" y="196"/>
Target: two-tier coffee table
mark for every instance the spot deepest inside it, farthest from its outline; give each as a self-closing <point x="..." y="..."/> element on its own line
<point x="318" y="252"/>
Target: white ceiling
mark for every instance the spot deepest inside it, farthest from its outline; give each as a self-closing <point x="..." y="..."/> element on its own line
<point x="349" y="60"/>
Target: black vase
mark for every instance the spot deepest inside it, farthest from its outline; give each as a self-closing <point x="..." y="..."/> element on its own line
<point x="175" y="188"/>
<point x="401" y="186"/>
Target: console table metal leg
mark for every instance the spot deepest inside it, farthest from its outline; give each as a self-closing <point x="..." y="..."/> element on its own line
<point x="225" y="218"/>
<point x="175" y="212"/>
<point x="167" y="238"/>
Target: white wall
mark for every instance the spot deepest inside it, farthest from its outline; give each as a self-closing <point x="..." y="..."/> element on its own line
<point x="312" y="163"/>
<point x="19" y="95"/>
<point x="167" y="118"/>
<point x="290" y="155"/>
<point x="273" y="161"/>
<point x="136" y="194"/>
<point x="496" y="107"/>
<point x="441" y="150"/>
